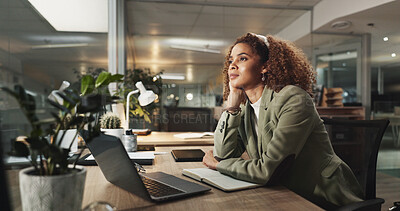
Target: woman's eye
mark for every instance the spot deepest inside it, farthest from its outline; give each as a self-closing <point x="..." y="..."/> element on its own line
<point x="243" y="59"/>
<point x="230" y="62"/>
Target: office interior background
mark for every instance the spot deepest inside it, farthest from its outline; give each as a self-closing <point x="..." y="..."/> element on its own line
<point x="354" y="45"/>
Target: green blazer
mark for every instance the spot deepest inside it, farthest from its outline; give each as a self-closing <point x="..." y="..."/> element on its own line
<point x="288" y="125"/>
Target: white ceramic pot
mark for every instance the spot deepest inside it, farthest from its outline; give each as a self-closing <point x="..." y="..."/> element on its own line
<point x="114" y="132"/>
<point x="59" y="192"/>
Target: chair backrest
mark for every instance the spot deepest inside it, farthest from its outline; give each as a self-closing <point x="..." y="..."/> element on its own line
<point x="357" y="143"/>
<point x="4" y="195"/>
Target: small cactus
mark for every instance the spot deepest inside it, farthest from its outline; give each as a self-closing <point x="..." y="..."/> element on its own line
<point x="110" y="121"/>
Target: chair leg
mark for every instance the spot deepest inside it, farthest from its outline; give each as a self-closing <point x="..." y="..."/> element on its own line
<point x="396" y="137"/>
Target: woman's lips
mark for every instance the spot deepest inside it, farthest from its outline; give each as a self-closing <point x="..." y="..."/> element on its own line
<point x="233" y="76"/>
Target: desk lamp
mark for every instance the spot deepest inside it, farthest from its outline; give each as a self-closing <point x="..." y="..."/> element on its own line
<point x="146" y="97"/>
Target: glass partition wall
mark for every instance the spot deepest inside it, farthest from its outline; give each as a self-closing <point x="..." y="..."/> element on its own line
<point x="37" y="54"/>
<point x="189" y="40"/>
<point x="182" y="38"/>
<point x="338" y="64"/>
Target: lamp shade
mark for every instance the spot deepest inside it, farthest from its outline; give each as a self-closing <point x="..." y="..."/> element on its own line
<point x="146" y="96"/>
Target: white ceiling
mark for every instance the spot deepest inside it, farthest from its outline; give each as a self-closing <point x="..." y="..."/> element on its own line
<point x="155" y="25"/>
<point x="386" y="22"/>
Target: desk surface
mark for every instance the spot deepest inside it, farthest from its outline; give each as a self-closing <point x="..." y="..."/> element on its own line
<point x="394" y="119"/>
<point x="97" y="188"/>
<point x="168" y="139"/>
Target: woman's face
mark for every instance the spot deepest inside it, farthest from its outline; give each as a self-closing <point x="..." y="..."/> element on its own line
<point x="245" y="68"/>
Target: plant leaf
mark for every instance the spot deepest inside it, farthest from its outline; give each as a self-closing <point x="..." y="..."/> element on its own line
<point x="147" y="118"/>
<point x="72" y="93"/>
<point x="87" y="84"/>
<point x="30" y="103"/>
<point x="103" y="79"/>
<point x="60" y="107"/>
<point x="116" y="78"/>
<point x="36" y="143"/>
<point x="56" y="117"/>
<point x="20" y="91"/>
<point x="9" y="91"/>
<point x="66" y="98"/>
<point x="77" y="120"/>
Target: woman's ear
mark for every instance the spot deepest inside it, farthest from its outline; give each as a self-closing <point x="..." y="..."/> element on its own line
<point x="264" y="69"/>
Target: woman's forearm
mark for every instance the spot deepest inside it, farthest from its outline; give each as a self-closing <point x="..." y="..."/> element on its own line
<point x="227" y="142"/>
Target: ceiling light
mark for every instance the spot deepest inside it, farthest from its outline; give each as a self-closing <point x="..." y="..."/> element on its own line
<point x="393" y="54"/>
<point x="172" y="76"/>
<point x="188" y="48"/>
<point x="338" y="56"/>
<point x="195" y="42"/>
<point x="341" y="25"/>
<point x="74" y="15"/>
<point x="71" y="45"/>
<point x="189" y="96"/>
<point x="385" y="39"/>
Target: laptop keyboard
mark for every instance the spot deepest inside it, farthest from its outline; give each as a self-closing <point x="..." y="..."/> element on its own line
<point x="159" y="189"/>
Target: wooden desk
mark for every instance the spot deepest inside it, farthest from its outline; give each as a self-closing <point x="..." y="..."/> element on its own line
<point x="97" y="188"/>
<point x="387" y="187"/>
<point x="394" y="124"/>
<point x="168" y="139"/>
<point x="347" y="112"/>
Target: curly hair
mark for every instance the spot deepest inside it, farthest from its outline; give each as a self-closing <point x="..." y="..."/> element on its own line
<point x="285" y="63"/>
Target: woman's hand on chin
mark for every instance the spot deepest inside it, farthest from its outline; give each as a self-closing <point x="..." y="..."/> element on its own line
<point x="236" y="96"/>
<point x="209" y="160"/>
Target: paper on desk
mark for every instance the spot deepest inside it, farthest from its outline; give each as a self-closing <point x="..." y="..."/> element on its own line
<point x="194" y="135"/>
<point x="19" y="160"/>
<point x="133" y="155"/>
<point x="23" y="160"/>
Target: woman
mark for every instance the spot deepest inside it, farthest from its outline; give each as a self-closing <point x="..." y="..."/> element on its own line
<point x="277" y="133"/>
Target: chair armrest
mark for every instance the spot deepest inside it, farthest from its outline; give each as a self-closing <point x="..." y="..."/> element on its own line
<point x="367" y="205"/>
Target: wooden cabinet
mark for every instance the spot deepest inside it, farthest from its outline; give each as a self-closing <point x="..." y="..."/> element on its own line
<point x="350" y="112"/>
<point x="347" y="142"/>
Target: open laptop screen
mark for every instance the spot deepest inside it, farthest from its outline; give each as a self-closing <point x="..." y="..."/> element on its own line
<point x="115" y="164"/>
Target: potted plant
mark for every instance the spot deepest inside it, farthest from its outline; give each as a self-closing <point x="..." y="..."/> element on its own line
<point x="48" y="184"/>
<point x="110" y="124"/>
<point x="51" y="183"/>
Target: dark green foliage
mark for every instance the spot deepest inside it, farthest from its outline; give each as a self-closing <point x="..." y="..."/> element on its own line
<point x="75" y="112"/>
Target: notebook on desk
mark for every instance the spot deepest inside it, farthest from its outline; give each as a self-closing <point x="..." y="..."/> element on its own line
<point x="118" y="169"/>
<point x="187" y="155"/>
<point x="218" y="180"/>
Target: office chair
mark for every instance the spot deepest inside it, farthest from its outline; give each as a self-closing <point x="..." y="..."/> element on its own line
<point x="357" y="143"/>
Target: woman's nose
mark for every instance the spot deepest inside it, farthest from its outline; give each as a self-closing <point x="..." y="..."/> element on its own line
<point x="232" y="66"/>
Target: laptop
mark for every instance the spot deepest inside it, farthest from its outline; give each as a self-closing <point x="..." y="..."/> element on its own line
<point x="118" y="169"/>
